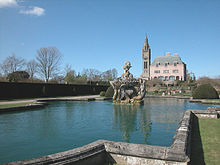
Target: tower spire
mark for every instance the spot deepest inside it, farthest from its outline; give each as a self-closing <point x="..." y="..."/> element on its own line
<point x="146" y="45"/>
<point x="146" y="40"/>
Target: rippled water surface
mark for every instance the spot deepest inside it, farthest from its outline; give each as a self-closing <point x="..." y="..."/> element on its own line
<point x="66" y="125"/>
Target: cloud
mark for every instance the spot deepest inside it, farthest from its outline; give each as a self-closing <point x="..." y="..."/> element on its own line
<point x="8" y="3"/>
<point x="33" y="11"/>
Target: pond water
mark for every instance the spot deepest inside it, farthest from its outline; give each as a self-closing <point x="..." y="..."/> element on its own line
<point x="65" y="125"/>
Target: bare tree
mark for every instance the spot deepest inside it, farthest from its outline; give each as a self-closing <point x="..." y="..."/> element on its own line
<point x="207" y="80"/>
<point x="70" y="74"/>
<point x="32" y="68"/>
<point x="48" y="62"/>
<point x="114" y="73"/>
<point x="70" y="77"/>
<point x="92" y="74"/>
<point x="109" y="75"/>
<point x="12" y="64"/>
<point x="67" y="68"/>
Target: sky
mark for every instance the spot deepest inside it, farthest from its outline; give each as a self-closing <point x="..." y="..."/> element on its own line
<point x="103" y="34"/>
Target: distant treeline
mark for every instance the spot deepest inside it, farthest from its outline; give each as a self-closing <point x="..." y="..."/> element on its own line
<point x="46" y="67"/>
<point x="36" y="90"/>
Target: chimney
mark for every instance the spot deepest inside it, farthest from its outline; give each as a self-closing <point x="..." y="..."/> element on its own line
<point x="168" y="54"/>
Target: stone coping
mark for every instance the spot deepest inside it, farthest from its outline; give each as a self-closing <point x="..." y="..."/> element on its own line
<point x="75" y="99"/>
<point x="31" y="106"/>
<point x="177" y="97"/>
<point x="217" y="109"/>
<point x="204" y="101"/>
<point x="66" y="157"/>
<point x="38" y="103"/>
<point x="211" y="112"/>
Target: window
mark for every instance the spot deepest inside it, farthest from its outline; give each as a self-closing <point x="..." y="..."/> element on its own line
<point x="157" y="71"/>
<point x="165" y="71"/>
<point x="174" y="64"/>
<point x="166" y="78"/>
<point x="145" y="65"/>
<point x="161" y="77"/>
<point x="157" y="65"/>
<point x="166" y="64"/>
<point x="175" y="71"/>
<point x="172" y="78"/>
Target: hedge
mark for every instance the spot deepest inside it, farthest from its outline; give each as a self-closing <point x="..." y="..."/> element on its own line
<point x="32" y="90"/>
<point x="205" y="91"/>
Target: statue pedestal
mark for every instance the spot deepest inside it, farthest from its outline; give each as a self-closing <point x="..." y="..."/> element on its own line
<point x="131" y="102"/>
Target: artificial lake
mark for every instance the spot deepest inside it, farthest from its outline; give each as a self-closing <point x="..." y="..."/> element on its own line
<point x="64" y="125"/>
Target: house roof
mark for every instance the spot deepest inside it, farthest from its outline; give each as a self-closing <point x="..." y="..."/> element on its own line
<point x="167" y="59"/>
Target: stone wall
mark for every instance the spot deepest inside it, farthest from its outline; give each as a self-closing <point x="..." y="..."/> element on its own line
<point x="93" y="153"/>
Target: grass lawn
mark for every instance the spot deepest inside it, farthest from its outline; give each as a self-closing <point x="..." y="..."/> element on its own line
<point x="14" y="105"/>
<point x="205" y="147"/>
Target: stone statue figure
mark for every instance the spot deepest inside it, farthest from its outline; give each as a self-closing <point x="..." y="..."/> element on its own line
<point x="128" y="90"/>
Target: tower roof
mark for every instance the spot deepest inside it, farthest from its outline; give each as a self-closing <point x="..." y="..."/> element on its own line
<point x="146" y="40"/>
<point x="146" y="45"/>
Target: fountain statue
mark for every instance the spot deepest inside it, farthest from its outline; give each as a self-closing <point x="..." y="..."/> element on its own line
<point x="128" y="90"/>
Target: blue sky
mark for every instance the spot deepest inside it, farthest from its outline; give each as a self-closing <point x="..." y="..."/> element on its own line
<point x="103" y="34"/>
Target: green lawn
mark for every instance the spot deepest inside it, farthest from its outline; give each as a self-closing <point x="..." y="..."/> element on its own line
<point x="205" y="148"/>
<point x="14" y="105"/>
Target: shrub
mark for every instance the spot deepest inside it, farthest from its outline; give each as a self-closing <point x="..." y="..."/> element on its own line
<point x="102" y="93"/>
<point x="18" y="76"/>
<point x="205" y="91"/>
<point x="109" y="92"/>
<point x="156" y="92"/>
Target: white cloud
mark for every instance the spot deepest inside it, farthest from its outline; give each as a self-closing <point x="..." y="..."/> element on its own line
<point x="8" y="3"/>
<point x="33" y="11"/>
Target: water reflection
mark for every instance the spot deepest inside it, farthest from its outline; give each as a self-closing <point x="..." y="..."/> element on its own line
<point x="130" y="119"/>
<point x="145" y="122"/>
<point x="165" y="110"/>
<point x="125" y="117"/>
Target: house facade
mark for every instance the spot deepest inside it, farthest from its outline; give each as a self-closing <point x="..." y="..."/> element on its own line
<point x="166" y="68"/>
